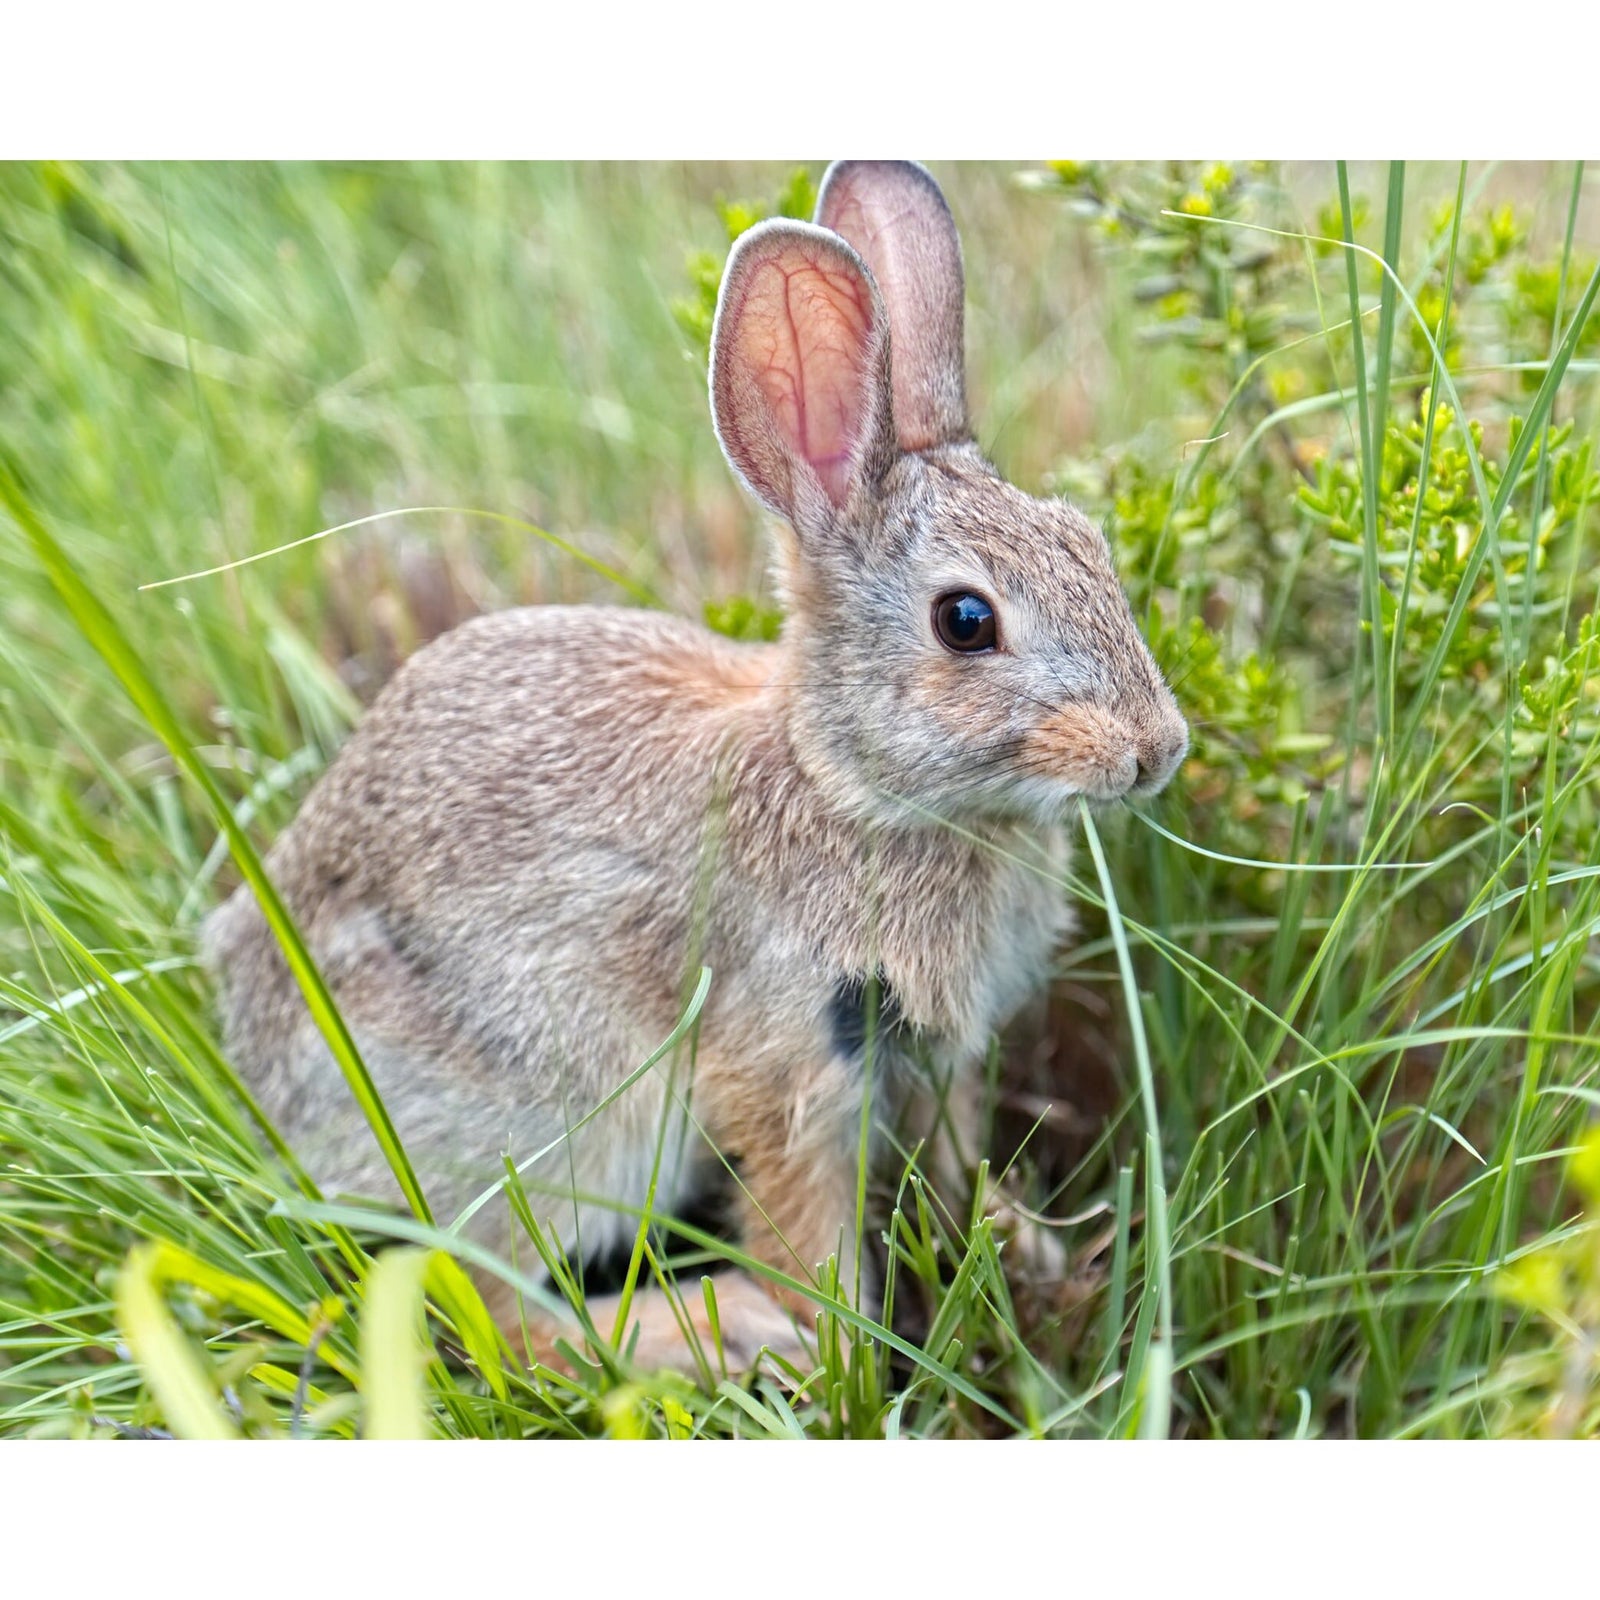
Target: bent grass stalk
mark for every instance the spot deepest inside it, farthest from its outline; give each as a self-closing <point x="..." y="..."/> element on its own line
<point x="102" y="630"/>
<point x="1154" y="1401"/>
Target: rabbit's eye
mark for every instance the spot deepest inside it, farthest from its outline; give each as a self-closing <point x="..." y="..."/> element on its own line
<point x="964" y="622"/>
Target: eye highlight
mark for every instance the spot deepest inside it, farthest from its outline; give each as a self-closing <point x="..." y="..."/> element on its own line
<point x="964" y="623"/>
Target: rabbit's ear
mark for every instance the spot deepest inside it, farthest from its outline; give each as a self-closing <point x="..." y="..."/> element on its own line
<point x="894" y="215"/>
<point x="800" y="371"/>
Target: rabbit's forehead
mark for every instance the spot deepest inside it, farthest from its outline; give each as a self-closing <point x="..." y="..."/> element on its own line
<point x="1039" y="556"/>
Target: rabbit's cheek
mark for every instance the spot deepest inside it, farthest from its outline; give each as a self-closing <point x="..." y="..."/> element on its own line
<point x="958" y="694"/>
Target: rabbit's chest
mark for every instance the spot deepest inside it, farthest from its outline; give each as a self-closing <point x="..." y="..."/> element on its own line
<point x="952" y="962"/>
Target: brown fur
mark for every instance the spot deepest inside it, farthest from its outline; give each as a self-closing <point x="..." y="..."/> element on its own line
<point x="551" y="818"/>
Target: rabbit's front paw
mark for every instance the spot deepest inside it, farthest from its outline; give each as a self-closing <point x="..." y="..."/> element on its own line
<point x="1034" y="1249"/>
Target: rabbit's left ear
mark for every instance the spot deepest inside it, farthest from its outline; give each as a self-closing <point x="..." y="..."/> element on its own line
<point x="800" y="372"/>
<point x="894" y="216"/>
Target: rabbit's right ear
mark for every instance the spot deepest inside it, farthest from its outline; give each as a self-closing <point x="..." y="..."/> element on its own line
<point x="800" y="371"/>
<point x="894" y="214"/>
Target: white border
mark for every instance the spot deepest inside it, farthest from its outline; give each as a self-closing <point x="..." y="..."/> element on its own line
<point x="923" y="1520"/>
<point x="1002" y="78"/>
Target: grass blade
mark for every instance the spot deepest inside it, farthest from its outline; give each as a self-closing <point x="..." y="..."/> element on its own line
<point x="395" y="1348"/>
<point x="182" y="1386"/>
<point x="108" y="639"/>
<point x="1157" y="1418"/>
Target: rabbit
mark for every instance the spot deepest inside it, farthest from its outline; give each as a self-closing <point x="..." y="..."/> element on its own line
<point x="552" y="817"/>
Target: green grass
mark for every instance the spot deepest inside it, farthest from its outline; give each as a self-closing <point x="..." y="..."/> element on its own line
<point x="1309" y="1081"/>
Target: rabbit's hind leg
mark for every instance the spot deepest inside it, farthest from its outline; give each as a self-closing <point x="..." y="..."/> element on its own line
<point x="795" y="1152"/>
<point x="665" y="1329"/>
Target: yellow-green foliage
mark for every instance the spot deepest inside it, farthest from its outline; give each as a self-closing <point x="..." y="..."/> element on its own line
<point x="1560" y="1283"/>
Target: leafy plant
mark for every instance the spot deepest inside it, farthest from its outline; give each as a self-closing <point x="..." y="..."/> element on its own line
<point x="696" y="312"/>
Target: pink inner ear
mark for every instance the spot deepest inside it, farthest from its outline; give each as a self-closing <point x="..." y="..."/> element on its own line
<point x="805" y="335"/>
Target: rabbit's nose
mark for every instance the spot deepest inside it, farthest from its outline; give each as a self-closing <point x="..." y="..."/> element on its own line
<point x="1160" y="752"/>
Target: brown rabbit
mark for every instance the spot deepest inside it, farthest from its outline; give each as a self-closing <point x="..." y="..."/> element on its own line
<point x="551" y="817"/>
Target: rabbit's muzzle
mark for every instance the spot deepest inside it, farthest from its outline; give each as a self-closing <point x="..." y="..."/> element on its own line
<point x="1103" y="756"/>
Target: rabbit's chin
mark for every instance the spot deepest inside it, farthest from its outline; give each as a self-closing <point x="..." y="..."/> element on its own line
<point x="1051" y="800"/>
<point x="1028" y="801"/>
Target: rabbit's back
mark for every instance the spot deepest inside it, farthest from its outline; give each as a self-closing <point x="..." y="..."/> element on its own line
<point x="516" y="739"/>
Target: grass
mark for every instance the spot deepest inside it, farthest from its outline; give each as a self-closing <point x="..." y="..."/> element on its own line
<point x="1304" y="1094"/>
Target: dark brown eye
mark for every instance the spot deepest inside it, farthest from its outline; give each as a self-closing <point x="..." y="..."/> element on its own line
<point x="964" y="622"/>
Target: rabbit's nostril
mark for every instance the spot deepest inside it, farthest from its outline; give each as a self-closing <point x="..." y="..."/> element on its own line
<point x="1156" y="764"/>
<point x="1152" y="775"/>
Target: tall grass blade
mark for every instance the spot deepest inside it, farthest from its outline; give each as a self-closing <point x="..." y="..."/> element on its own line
<point x="108" y="639"/>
